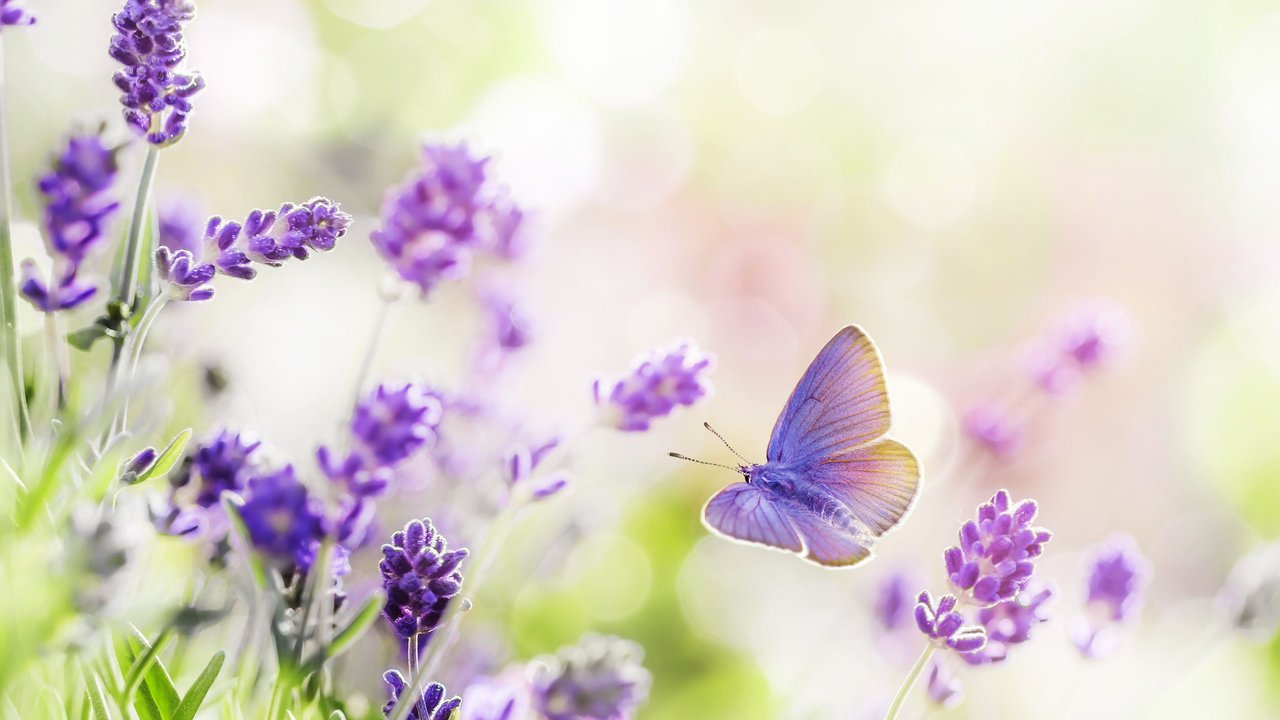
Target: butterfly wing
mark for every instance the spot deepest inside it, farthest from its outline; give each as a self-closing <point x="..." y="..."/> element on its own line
<point x="840" y="402"/>
<point x="877" y="482"/>
<point x="749" y="513"/>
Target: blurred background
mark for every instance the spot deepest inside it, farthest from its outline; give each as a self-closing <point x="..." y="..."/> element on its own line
<point x="957" y="178"/>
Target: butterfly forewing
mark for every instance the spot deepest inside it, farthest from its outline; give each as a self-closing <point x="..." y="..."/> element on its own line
<point x="840" y="402"/>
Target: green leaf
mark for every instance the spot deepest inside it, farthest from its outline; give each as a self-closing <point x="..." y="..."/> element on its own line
<point x="169" y="457"/>
<point x="97" y="699"/>
<point x="157" y="685"/>
<point x="84" y="338"/>
<point x="337" y="715"/>
<point x="143" y="664"/>
<point x="195" y="694"/>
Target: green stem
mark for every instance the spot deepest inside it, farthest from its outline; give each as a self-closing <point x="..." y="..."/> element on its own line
<point x="380" y="324"/>
<point x="133" y="250"/>
<point x="134" y="344"/>
<point x="8" y="288"/>
<point x="60" y="363"/>
<point x="907" y="684"/>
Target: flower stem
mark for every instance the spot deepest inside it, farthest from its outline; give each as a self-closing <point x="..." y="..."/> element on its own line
<point x="60" y="363"/>
<point x="910" y="681"/>
<point x="8" y="288"/>
<point x="135" y="343"/>
<point x="381" y="322"/>
<point x="127" y="287"/>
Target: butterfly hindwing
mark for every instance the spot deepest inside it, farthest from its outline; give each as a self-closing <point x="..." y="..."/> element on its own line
<point x="840" y="402"/>
<point x="877" y="482"/>
<point x="745" y="512"/>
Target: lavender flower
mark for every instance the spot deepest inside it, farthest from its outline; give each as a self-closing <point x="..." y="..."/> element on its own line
<point x="1091" y="336"/>
<point x="510" y="326"/>
<point x="945" y="626"/>
<point x="656" y="385"/>
<point x="156" y="92"/>
<point x="503" y="697"/>
<point x="600" y="678"/>
<point x="435" y="221"/>
<point x="421" y="576"/>
<point x="222" y="464"/>
<point x="284" y="521"/>
<point x="431" y="706"/>
<point x="1116" y="577"/>
<point x="394" y="422"/>
<point x="1009" y="623"/>
<point x="993" y="561"/>
<point x="77" y="210"/>
<point x="942" y="687"/>
<point x="893" y="602"/>
<point x="993" y="430"/>
<point x="268" y="237"/>
<point x="11" y="14"/>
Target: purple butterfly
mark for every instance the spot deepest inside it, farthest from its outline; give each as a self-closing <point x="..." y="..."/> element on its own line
<point x="832" y="484"/>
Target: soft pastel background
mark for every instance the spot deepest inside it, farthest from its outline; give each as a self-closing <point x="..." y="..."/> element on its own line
<point x="952" y="176"/>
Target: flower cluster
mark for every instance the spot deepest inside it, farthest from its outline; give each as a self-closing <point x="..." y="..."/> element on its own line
<point x="657" y="384"/>
<point x="156" y="91"/>
<point x="993" y="561"/>
<point x="11" y="13"/>
<point x="421" y="576"/>
<point x="945" y="626"/>
<point x="502" y="697"/>
<point x="179" y="224"/>
<point x="601" y="678"/>
<point x="77" y="210"/>
<point x="1009" y="623"/>
<point x="389" y="425"/>
<point x="431" y="706"/>
<point x="1084" y="342"/>
<point x="285" y="522"/>
<point x="444" y="212"/>
<point x="893" y="602"/>
<point x="1117" y="574"/>
<point x="267" y="237"/>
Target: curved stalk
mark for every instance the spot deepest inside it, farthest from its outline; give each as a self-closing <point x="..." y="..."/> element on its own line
<point x="8" y="287"/>
<point x="909" y="682"/>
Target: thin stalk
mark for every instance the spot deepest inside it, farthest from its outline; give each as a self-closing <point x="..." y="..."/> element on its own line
<point x="59" y="361"/>
<point x="414" y="671"/>
<point x="8" y="288"/>
<point x="135" y="344"/>
<point x="380" y="324"/>
<point x="133" y="252"/>
<point x="909" y="682"/>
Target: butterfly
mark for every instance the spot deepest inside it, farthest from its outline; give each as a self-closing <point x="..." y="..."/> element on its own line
<point x="831" y="484"/>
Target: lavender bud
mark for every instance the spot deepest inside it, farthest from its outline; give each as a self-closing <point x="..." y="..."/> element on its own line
<point x="12" y="14"/>
<point x="395" y="421"/>
<point x="503" y="697"/>
<point x="942" y="686"/>
<point x="285" y="523"/>
<point x="1009" y="623"/>
<point x="993" y="430"/>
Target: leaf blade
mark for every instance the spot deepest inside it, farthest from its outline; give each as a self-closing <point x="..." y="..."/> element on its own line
<point x="191" y="702"/>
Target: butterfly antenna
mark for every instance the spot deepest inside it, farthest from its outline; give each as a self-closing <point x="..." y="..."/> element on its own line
<point x="707" y="425"/>
<point x="702" y="462"/>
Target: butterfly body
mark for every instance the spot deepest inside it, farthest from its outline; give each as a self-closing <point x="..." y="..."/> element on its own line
<point x="831" y="484"/>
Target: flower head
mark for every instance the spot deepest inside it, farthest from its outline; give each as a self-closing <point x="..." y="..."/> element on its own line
<point x="1009" y="623"/>
<point x="993" y="561"/>
<point x="77" y="210"/>
<point x="657" y="384"/>
<point x="421" y="576"/>
<point x="1117" y="574"/>
<point x="156" y="91"/>
<point x="945" y="626"/>
<point x="284" y="521"/>
<point x="600" y="678"/>
<point x="267" y="237"/>
<point x="395" y="421"/>
<point x="441" y="214"/>
<point x="12" y="14"/>
<point x="431" y="706"/>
